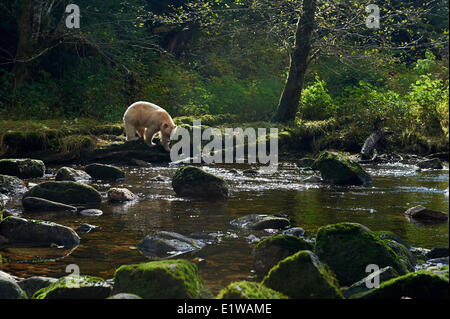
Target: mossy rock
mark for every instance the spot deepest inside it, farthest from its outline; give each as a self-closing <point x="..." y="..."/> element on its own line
<point x="416" y="285"/>
<point x="270" y="251"/>
<point x="105" y="172"/>
<point x="76" y="287"/>
<point x="303" y="276"/>
<point x="9" y="289"/>
<point x="385" y="234"/>
<point x="192" y="182"/>
<point x="348" y="248"/>
<point x="71" y="193"/>
<point x="71" y="174"/>
<point x="249" y="290"/>
<point x="22" y="168"/>
<point x="11" y="185"/>
<point x="165" y="279"/>
<point x="403" y="253"/>
<point x="339" y="170"/>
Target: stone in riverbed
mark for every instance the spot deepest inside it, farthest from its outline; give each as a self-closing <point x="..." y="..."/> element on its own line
<point x="70" y="193"/>
<point x="71" y="174"/>
<point x="33" y="284"/>
<point x="347" y="248"/>
<point x="294" y="231"/>
<point x="434" y="163"/>
<point x="91" y="212"/>
<point x="40" y="204"/>
<point x="249" y="290"/>
<point x="75" y="287"/>
<point x="87" y="228"/>
<point x="9" y="289"/>
<point x="339" y="170"/>
<point x="270" y="251"/>
<point x="38" y="232"/>
<point x="165" y="279"/>
<point x="164" y="244"/>
<point x="261" y="222"/>
<point x="192" y="182"/>
<point x="120" y="195"/>
<point x="22" y="168"/>
<point x="11" y="185"/>
<point x="124" y="296"/>
<point x="420" y="212"/>
<point x="105" y="172"/>
<point x="383" y="275"/>
<point x="303" y="276"/>
<point x="437" y="253"/>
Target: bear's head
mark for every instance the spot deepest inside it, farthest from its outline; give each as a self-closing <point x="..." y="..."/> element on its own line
<point x="166" y="131"/>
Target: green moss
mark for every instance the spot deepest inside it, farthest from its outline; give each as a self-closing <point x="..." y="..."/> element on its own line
<point x="385" y="234"/>
<point x="417" y="285"/>
<point x="75" y="287"/>
<point x="76" y="144"/>
<point x="403" y="253"/>
<point x="165" y="279"/>
<point x="303" y="276"/>
<point x="348" y="248"/>
<point x="249" y="290"/>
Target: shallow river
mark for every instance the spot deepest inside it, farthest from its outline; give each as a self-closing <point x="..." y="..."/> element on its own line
<point x="380" y="206"/>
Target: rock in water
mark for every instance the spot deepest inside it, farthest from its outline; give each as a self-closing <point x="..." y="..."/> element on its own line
<point x="303" y="276"/>
<point x="9" y="289"/>
<point x="71" y="193"/>
<point x="121" y="195"/>
<point x="165" y="279"/>
<point x="339" y="170"/>
<point x="434" y="163"/>
<point x="33" y="284"/>
<point x="249" y="290"/>
<point x="105" y="172"/>
<point x="347" y="248"/>
<point x="165" y="244"/>
<point x="40" y="204"/>
<point x="11" y="185"/>
<point x="420" y="212"/>
<point x="91" y="212"/>
<point x="261" y="222"/>
<point x="383" y="274"/>
<point x="192" y="182"/>
<point x="22" y="168"/>
<point x="71" y="174"/>
<point x="38" y="232"/>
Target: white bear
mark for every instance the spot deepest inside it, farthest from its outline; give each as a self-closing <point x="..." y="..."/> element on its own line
<point x="146" y="119"/>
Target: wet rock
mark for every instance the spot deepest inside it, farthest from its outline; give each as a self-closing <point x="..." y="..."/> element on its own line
<point x="403" y="253"/>
<point x="294" y="231"/>
<point x="124" y="296"/>
<point x="437" y="253"/>
<point x="164" y="244"/>
<point x="71" y="174"/>
<point x="120" y="195"/>
<point x="303" y="276"/>
<point x="38" y="232"/>
<point x="305" y="162"/>
<point x="434" y="163"/>
<point x="270" y="251"/>
<point x="3" y="240"/>
<point x="151" y="280"/>
<point x="261" y="222"/>
<point x="40" y="204"/>
<point x="383" y="275"/>
<point x="192" y="182"/>
<point x="91" y="212"/>
<point x="313" y="179"/>
<point x="347" y="248"/>
<point x="159" y="178"/>
<point x="384" y="235"/>
<point x="250" y="172"/>
<point x="339" y="170"/>
<point x="71" y="193"/>
<point x="249" y="290"/>
<point x="76" y="287"/>
<point x="140" y="163"/>
<point x="442" y="261"/>
<point x="252" y="239"/>
<point x="87" y="228"/>
<point x="420" y="212"/>
<point x="33" y="284"/>
<point x="9" y="289"/>
<point x="233" y="171"/>
<point x="11" y="185"/>
<point x="105" y="172"/>
<point x="416" y="285"/>
<point x="22" y="168"/>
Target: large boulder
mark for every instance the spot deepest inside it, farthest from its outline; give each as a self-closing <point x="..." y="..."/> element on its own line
<point x="22" y="168"/>
<point x="71" y="174"/>
<point x="303" y="276"/>
<point x="40" y="204"/>
<point x="192" y="182"/>
<point x="38" y="232"/>
<point x="71" y="193"/>
<point x="270" y="251"/>
<point x="33" y="284"/>
<point x="165" y="279"/>
<point x="105" y="172"/>
<point x="348" y="248"/>
<point x="11" y="185"/>
<point x="422" y="213"/>
<point x="9" y="289"/>
<point x="249" y="290"/>
<point x="76" y="287"/>
<point x="164" y="244"/>
<point x="434" y="163"/>
<point x="339" y="170"/>
<point x="367" y="283"/>
<point x="260" y="222"/>
<point x="422" y="284"/>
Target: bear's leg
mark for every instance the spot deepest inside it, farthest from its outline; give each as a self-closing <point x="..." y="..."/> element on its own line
<point x="148" y="137"/>
<point x="130" y="131"/>
<point x="165" y="141"/>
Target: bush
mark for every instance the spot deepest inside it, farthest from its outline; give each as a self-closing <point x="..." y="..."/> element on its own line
<point x="316" y="104"/>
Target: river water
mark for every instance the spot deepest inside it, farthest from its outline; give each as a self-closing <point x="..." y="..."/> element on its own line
<point x="380" y="206"/>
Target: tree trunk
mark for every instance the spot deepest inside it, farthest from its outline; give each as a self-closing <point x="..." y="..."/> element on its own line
<point x="290" y="98"/>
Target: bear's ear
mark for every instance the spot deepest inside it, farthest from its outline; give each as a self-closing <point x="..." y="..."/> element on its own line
<point x="165" y="125"/>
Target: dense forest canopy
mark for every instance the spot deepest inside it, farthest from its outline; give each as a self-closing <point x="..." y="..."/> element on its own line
<point x="228" y="57"/>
